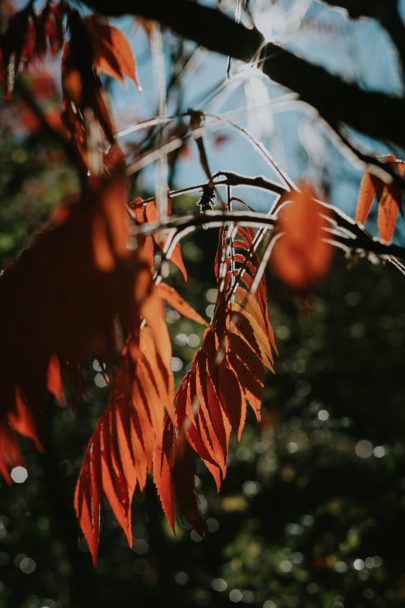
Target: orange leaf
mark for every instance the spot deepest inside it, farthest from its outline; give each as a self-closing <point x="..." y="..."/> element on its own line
<point x="66" y="317"/>
<point x="365" y="199"/>
<point x="389" y="202"/>
<point x="387" y="216"/>
<point x="388" y="199"/>
<point x="112" y="52"/>
<point x="248" y="326"/>
<point x="121" y="449"/>
<point x="228" y="369"/>
<point x="147" y="212"/>
<point x="177" y="260"/>
<point x="176" y="301"/>
<point x="110" y="230"/>
<point x="301" y="257"/>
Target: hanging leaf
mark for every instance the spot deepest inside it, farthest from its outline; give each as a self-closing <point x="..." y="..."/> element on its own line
<point x="10" y="454"/>
<point x="365" y="198"/>
<point x="163" y="464"/>
<point x="226" y="374"/>
<point x="147" y="212"/>
<point x="301" y="257"/>
<point x="136" y="429"/>
<point x="77" y="277"/>
<point x="388" y="199"/>
<point x="85" y="109"/>
<point x="28" y="37"/>
<point x="173" y="298"/>
<point x="387" y="214"/>
<point x="112" y="53"/>
<point x="120" y="451"/>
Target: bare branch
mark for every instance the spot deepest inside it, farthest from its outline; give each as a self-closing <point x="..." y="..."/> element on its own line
<point x="348" y="235"/>
<point x="375" y="114"/>
<point x="386" y="13"/>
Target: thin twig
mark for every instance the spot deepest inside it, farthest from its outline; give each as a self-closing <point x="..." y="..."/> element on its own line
<point x="358" y="241"/>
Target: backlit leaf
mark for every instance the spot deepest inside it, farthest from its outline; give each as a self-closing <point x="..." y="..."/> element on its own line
<point x="388" y="199"/>
<point x="147" y="212"/>
<point x="131" y="434"/>
<point x="73" y="300"/>
<point x="365" y="198"/>
<point x="228" y="370"/>
<point x="178" y="303"/>
<point x="301" y="257"/>
<point x="387" y="215"/>
<point x="112" y="52"/>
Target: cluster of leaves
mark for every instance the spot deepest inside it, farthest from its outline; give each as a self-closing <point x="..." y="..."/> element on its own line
<point x="388" y="198"/>
<point x="89" y="292"/>
<point x="86" y="46"/>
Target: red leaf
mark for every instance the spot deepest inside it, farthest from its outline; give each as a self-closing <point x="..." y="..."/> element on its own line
<point x="216" y="414"/>
<point x="10" y="455"/>
<point x="228" y="369"/>
<point x="251" y="386"/>
<point x="188" y="418"/>
<point x="22" y="420"/>
<point x="163" y="463"/>
<point x="230" y="394"/>
<point x="54" y="379"/>
<point x="183" y="475"/>
<point x="112" y="53"/>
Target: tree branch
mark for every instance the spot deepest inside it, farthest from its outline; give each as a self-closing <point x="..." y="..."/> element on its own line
<point x="374" y="114"/>
<point x="385" y="12"/>
<point x="365" y="8"/>
<point x="345" y="233"/>
<point x="208" y="27"/>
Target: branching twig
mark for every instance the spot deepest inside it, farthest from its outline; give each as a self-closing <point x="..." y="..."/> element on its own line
<point x="351" y="237"/>
<point x="385" y="12"/>
<point x="372" y="113"/>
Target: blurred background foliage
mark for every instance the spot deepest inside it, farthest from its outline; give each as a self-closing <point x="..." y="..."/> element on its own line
<point x="312" y="512"/>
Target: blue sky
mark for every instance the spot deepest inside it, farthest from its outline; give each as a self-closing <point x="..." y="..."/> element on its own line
<point x="359" y="51"/>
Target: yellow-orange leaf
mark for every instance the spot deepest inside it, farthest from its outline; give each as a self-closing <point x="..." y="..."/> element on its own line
<point x="301" y="257"/>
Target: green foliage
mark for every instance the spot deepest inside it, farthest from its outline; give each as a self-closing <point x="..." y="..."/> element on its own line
<point x="33" y="179"/>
